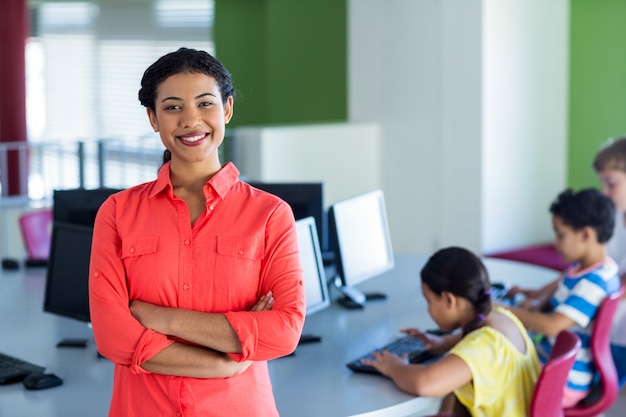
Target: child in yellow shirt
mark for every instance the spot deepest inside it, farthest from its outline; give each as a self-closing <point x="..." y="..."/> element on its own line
<point x="491" y="367"/>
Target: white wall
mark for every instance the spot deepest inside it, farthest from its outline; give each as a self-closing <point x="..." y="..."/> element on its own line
<point x="525" y="118"/>
<point x="344" y="156"/>
<point x="460" y="171"/>
<point x="471" y="98"/>
<point x="395" y="78"/>
<point x="465" y="108"/>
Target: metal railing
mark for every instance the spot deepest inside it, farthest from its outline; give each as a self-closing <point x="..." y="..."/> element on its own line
<point x="30" y="172"/>
<point x="44" y="167"/>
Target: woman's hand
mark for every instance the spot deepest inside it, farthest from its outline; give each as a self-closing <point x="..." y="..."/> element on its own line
<point x="237" y="368"/>
<point x="264" y="303"/>
<point x="384" y="361"/>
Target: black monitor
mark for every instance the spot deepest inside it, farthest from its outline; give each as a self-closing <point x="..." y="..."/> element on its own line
<point x="306" y="200"/>
<point x="67" y="290"/>
<point x="67" y="281"/>
<point x="79" y="206"/>
<point x="360" y="235"/>
<point x="314" y="276"/>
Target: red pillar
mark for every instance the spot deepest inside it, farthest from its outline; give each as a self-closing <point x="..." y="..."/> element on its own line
<point x="13" y="33"/>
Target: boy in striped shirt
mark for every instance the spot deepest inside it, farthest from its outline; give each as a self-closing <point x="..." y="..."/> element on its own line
<point x="583" y="223"/>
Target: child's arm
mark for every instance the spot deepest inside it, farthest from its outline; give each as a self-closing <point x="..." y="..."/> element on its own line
<point x="436" y="380"/>
<point x="539" y="298"/>
<point x="436" y="344"/>
<point x="548" y="324"/>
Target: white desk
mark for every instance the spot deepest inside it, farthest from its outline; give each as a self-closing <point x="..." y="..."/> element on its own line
<point x="313" y="382"/>
<point x="30" y="334"/>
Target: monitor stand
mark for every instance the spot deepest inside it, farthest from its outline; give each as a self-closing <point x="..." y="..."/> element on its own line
<point x="354" y="298"/>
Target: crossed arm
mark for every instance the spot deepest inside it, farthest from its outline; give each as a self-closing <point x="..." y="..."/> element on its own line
<point x="211" y="332"/>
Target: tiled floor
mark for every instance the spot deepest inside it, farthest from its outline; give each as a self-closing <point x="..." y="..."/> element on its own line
<point x="619" y="408"/>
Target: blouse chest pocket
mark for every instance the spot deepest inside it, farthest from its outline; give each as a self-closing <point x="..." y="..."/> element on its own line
<point x="238" y="268"/>
<point x="140" y="261"/>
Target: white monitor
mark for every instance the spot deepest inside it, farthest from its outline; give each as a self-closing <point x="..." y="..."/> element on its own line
<point x="313" y="269"/>
<point x="360" y="237"/>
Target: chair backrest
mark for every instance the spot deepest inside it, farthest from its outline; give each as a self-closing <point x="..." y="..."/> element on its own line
<point x="602" y="359"/>
<point x="36" y="228"/>
<point x="547" y="398"/>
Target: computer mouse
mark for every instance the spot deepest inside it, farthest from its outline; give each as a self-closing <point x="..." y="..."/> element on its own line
<point x="41" y="381"/>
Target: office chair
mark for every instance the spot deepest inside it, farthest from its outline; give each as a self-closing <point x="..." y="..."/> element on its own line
<point x="603" y="360"/>
<point x="36" y="229"/>
<point x="547" y="398"/>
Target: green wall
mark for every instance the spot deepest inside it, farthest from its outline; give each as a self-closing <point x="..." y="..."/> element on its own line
<point x="597" y="83"/>
<point x="288" y="59"/>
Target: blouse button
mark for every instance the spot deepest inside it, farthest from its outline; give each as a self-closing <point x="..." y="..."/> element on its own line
<point x="240" y="252"/>
<point x="132" y="250"/>
<point x="186" y="287"/>
<point x="211" y="207"/>
<point x="97" y="275"/>
<point x="187" y="242"/>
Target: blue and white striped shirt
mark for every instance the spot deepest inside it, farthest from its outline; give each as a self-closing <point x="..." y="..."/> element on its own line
<point x="578" y="297"/>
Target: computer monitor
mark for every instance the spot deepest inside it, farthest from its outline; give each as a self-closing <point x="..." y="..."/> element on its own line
<point x="67" y="280"/>
<point x="315" y="284"/>
<point x="306" y="199"/>
<point x="79" y="206"/>
<point x="360" y="234"/>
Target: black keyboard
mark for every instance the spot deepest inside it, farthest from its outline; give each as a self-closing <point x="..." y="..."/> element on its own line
<point x="499" y="294"/>
<point x="410" y="345"/>
<point x="14" y="370"/>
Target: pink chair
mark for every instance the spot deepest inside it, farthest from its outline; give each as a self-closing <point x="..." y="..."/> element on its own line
<point x="548" y="395"/>
<point x="603" y="361"/>
<point x="36" y="228"/>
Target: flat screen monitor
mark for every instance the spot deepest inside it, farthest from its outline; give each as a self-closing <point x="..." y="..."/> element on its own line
<point x="79" y="206"/>
<point x="360" y="234"/>
<point x="314" y="276"/>
<point x="67" y="288"/>
<point x="315" y="283"/>
<point x="306" y="200"/>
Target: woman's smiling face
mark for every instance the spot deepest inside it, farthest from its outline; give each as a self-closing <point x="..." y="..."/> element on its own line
<point x="190" y="116"/>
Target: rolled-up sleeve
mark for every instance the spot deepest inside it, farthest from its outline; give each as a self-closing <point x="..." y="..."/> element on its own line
<point x="270" y="334"/>
<point x="118" y="335"/>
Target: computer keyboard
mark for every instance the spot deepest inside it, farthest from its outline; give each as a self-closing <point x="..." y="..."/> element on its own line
<point x="407" y="344"/>
<point x="499" y="292"/>
<point x="13" y="369"/>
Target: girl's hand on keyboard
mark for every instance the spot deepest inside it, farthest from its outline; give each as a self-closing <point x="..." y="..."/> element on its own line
<point x="433" y="343"/>
<point x="385" y="361"/>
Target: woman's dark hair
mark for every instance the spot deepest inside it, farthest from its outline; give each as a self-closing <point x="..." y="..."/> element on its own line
<point x="460" y="272"/>
<point x="586" y="208"/>
<point x="183" y="60"/>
